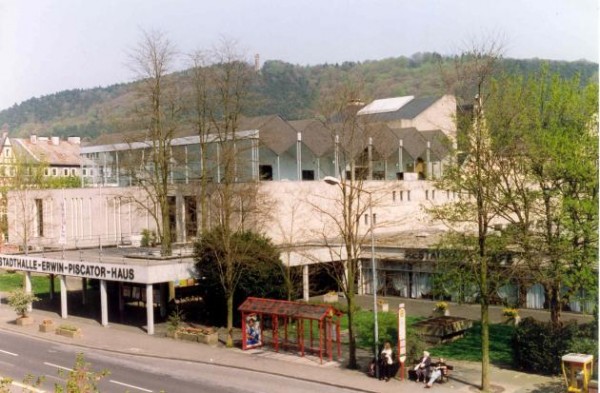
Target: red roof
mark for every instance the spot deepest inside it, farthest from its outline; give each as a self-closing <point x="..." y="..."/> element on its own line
<point x="288" y="308"/>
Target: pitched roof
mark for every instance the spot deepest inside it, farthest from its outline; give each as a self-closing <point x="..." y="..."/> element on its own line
<point x="413" y="141"/>
<point x="440" y="144"/>
<point x="410" y="110"/>
<point x="275" y="133"/>
<point x="318" y="138"/>
<point x="63" y="153"/>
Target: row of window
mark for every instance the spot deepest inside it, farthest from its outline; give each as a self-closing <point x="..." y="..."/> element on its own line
<point x="403" y="195"/>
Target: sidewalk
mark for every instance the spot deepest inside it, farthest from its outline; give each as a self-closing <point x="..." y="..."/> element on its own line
<point x="133" y="341"/>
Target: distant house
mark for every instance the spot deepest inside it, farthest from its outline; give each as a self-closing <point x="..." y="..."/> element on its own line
<point x="61" y="157"/>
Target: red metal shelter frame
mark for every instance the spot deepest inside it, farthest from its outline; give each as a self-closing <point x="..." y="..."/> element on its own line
<point x="327" y="317"/>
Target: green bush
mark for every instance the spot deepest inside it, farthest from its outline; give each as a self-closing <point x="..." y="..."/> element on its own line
<point x="539" y="346"/>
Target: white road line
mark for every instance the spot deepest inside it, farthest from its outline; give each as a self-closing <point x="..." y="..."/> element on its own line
<point x="9" y="353"/>
<point x="27" y="388"/>
<point x="57" y="366"/>
<point x="130" y="386"/>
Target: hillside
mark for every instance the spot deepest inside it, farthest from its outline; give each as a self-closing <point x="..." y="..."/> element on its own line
<point x="282" y="88"/>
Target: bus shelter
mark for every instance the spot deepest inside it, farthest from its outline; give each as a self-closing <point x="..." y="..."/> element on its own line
<point x="304" y="327"/>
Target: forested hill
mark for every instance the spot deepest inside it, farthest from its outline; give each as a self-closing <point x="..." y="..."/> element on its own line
<point x="288" y="90"/>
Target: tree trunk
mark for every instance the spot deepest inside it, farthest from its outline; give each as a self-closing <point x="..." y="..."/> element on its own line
<point x="555" y="304"/>
<point x="352" y="363"/>
<point x="229" y="342"/>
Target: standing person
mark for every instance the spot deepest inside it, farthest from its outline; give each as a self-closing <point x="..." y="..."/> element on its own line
<point x="422" y="368"/>
<point x="387" y="360"/>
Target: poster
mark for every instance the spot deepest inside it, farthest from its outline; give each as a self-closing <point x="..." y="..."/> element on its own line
<point x="253" y="332"/>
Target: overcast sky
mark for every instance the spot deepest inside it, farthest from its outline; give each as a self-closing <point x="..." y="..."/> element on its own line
<point x="51" y="45"/>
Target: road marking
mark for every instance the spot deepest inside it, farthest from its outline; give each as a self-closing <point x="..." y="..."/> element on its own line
<point x="129" y="386"/>
<point x="28" y="388"/>
<point x="9" y="353"/>
<point x="57" y="366"/>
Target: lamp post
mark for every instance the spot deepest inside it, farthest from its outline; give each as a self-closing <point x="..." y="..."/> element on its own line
<point x="335" y="181"/>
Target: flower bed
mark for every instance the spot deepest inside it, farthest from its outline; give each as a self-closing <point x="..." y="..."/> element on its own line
<point x="204" y="336"/>
<point x="47" y="325"/>
<point x="68" y="331"/>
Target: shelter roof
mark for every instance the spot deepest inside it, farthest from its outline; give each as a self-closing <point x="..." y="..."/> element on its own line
<point x="288" y="308"/>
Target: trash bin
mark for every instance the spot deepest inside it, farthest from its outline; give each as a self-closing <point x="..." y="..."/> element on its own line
<point x="577" y="371"/>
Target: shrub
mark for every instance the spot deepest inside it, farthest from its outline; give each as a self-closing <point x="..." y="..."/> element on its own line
<point x="19" y="300"/>
<point x="539" y="346"/>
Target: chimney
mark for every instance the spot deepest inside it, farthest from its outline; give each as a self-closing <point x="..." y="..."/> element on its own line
<point x="257" y="62"/>
<point x="55" y="140"/>
<point x="74" y="140"/>
<point x="33" y="139"/>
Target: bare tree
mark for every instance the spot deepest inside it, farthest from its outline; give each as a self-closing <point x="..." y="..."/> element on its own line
<point x="233" y="197"/>
<point x="159" y="112"/>
<point x="350" y="139"/>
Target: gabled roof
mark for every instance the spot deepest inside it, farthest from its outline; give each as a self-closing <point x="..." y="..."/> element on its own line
<point x="440" y="144"/>
<point x="413" y="141"/>
<point x="385" y="141"/>
<point x="275" y="133"/>
<point x="64" y="153"/>
<point x="410" y="110"/>
<point x="315" y="136"/>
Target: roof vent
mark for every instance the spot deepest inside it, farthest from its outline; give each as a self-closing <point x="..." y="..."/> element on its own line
<point x="33" y="139"/>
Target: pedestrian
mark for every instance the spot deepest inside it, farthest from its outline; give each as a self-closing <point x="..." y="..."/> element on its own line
<point x="387" y="360"/>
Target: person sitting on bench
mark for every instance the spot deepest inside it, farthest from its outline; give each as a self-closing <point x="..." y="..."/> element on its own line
<point x="421" y="370"/>
<point x="437" y="370"/>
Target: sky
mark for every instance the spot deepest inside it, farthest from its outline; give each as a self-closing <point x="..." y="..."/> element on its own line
<point x="47" y="46"/>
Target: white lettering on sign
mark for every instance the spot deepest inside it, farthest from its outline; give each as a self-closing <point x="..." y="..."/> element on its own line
<point x="81" y="269"/>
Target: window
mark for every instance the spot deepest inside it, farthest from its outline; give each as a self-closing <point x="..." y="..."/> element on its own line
<point x="7" y="152"/>
<point x="393" y="196"/>
<point x="401" y="195"/>
<point x="46" y="172"/>
<point x="366" y="219"/>
<point x="432" y="194"/>
<point x="308" y="175"/>
<point x="39" y="218"/>
<point x="65" y="172"/>
<point x="374" y="219"/>
<point x="265" y="172"/>
<point x="426" y="194"/>
<point x="84" y="172"/>
<point x="53" y="171"/>
<point x="408" y="195"/>
<point x="72" y="171"/>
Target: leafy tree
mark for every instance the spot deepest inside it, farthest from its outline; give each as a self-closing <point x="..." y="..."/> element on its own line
<point x="81" y="379"/>
<point x="549" y="128"/>
<point x="247" y="264"/>
<point x="477" y="182"/>
<point x="20" y="300"/>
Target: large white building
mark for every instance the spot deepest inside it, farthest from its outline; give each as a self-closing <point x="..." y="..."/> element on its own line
<point x="403" y="144"/>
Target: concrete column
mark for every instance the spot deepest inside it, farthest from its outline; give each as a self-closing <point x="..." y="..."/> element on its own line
<point x="121" y="302"/>
<point x="83" y="290"/>
<point x="63" y="296"/>
<point x="52" y="288"/>
<point x="164" y="294"/>
<point x="103" y="303"/>
<point x="28" y="288"/>
<point x="305" y="286"/>
<point x="149" y="309"/>
<point x="361" y="279"/>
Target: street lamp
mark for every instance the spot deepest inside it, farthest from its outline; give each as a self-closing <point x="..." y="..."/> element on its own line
<point x="333" y="181"/>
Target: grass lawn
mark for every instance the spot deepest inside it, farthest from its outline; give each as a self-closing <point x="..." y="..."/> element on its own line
<point x="11" y="281"/>
<point x="469" y="347"/>
<point x="466" y="348"/>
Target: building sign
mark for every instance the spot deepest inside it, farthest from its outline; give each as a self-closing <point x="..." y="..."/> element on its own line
<point x="101" y="271"/>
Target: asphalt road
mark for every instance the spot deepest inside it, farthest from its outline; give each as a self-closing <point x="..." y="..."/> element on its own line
<point x="21" y="356"/>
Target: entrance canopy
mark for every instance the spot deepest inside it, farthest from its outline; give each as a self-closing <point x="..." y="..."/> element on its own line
<point x="295" y="317"/>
